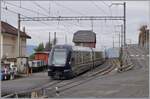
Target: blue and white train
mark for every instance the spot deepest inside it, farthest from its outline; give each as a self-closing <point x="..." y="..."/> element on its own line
<point x="66" y="61"/>
<point x="37" y="65"/>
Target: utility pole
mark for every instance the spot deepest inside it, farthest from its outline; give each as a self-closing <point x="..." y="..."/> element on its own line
<point x="92" y="24"/>
<point x="124" y="4"/>
<point x="124" y="19"/>
<point x="121" y="35"/>
<point x="121" y="49"/>
<point x="65" y="39"/>
<point x="113" y="41"/>
<point x="1" y="36"/>
<point x="105" y="52"/>
<point x="49" y="38"/>
<point x="19" y="35"/>
<point x="119" y="39"/>
<point x="54" y="39"/>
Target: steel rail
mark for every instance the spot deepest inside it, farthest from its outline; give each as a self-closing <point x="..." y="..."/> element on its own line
<point x="79" y="82"/>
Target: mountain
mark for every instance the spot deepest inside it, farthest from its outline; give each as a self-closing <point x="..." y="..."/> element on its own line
<point x="112" y="52"/>
<point x="30" y="49"/>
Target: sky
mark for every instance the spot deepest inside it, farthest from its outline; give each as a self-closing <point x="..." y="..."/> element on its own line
<point x="137" y="14"/>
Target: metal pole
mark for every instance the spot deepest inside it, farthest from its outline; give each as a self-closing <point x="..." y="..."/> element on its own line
<point x="119" y="40"/>
<point x="19" y="35"/>
<point x="54" y="38"/>
<point x="121" y="50"/>
<point x="65" y="39"/>
<point x="124" y="23"/>
<point x="49" y="38"/>
<point x="92" y="24"/>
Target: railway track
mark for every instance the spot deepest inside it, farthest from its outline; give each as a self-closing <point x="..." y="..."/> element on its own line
<point x="62" y="87"/>
<point x="138" y="60"/>
<point x="49" y="90"/>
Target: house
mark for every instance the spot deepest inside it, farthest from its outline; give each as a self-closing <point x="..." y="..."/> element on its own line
<point x="85" y="38"/>
<point x="9" y="41"/>
<point x="42" y="56"/>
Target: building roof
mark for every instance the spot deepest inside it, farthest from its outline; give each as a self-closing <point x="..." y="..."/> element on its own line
<point x="9" y="29"/>
<point x="83" y="36"/>
<point x="42" y="52"/>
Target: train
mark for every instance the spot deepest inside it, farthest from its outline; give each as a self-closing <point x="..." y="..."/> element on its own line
<point x="66" y="61"/>
<point x="37" y="65"/>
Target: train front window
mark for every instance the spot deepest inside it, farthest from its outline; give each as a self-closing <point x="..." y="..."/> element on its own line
<point x="59" y="57"/>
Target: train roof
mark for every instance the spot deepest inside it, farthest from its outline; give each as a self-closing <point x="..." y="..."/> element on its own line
<point x="77" y="48"/>
<point x="96" y="50"/>
<point x="63" y="46"/>
<point x="80" y="48"/>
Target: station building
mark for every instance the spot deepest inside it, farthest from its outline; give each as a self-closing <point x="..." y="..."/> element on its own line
<point x="85" y="38"/>
<point x="9" y="46"/>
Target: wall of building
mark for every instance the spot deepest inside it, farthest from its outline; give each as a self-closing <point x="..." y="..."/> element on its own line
<point x="23" y="47"/>
<point x="9" y="45"/>
<point x="1" y="45"/>
<point x="10" y="48"/>
<point x="42" y="56"/>
<point x="92" y="45"/>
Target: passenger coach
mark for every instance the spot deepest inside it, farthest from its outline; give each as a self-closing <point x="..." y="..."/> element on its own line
<point x="67" y="61"/>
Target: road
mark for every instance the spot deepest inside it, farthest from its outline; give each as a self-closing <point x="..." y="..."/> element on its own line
<point x="130" y="84"/>
<point x="22" y="84"/>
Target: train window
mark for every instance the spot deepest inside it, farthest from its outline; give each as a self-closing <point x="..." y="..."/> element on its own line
<point x="59" y="57"/>
<point x="87" y="57"/>
<point x="38" y="63"/>
<point x="76" y="57"/>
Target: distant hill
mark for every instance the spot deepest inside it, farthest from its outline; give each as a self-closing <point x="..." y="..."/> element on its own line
<point x="30" y="49"/>
<point x="112" y="52"/>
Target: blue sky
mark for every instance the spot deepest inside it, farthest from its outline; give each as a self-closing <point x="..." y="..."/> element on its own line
<point x="137" y="15"/>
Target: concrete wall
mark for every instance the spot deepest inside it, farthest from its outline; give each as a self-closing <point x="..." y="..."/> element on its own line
<point x="22" y="64"/>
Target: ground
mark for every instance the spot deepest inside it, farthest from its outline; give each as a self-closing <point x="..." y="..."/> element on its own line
<point x="25" y="83"/>
<point x="130" y="84"/>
